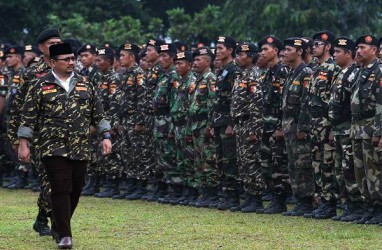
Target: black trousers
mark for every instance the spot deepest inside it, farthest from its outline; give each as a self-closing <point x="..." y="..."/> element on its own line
<point x="67" y="178"/>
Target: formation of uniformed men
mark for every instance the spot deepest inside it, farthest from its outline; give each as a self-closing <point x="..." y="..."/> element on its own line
<point x="220" y="127"/>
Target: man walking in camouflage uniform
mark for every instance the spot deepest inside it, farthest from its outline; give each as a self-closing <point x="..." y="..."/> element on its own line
<point x="296" y="125"/>
<point x="340" y="118"/>
<point x="366" y="129"/>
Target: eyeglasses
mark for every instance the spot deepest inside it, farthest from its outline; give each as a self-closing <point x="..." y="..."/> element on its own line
<point x="317" y="44"/>
<point x="67" y="59"/>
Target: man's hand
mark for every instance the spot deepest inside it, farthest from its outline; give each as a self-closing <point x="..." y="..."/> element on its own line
<point x="93" y="130"/>
<point x="278" y="134"/>
<point x="229" y="131"/>
<point x="23" y="152"/>
<point x="301" y="135"/>
<point x="375" y="140"/>
<point x="138" y="128"/>
<point x="252" y="138"/>
<point x="106" y="147"/>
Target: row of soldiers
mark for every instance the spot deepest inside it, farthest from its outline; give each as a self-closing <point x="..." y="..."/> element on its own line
<point x="204" y="128"/>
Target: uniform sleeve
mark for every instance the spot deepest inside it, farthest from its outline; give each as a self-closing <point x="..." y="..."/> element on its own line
<point x="378" y="108"/>
<point x="139" y="81"/>
<point x="116" y="105"/>
<point x="211" y="84"/>
<point x="303" y="123"/>
<point x="256" y="109"/>
<point x="98" y="114"/>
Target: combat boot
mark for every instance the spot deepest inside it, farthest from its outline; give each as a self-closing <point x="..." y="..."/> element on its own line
<point x="231" y="199"/>
<point x="369" y="212"/>
<point x="41" y="224"/>
<point x="183" y="197"/>
<point x="303" y="206"/>
<point x="21" y="181"/>
<point x="111" y="191"/>
<point x="191" y="198"/>
<point x="177" y="194"/>
<point x="377" y="216"/>
<point x="93" y="188"/>
<point x="277" y="205"/>
<point x="139" y="191"/>
<point x="32" y="179"/>
<point x="209" y="198"/>
<point x="160" y="192"/>
<point x="247" y="201"/>
<point x="131" y="187"/>
<point x="255" y="203"/>
<point x="355" y="212"/>
<point x="328" y="210"/>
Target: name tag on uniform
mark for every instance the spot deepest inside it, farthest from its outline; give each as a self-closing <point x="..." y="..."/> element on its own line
<point x="296" y="83"/>
<point x="49" y="91"/>
<point x="81" y="88"/>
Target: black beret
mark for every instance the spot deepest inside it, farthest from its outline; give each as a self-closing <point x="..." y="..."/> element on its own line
<point x="368" y="40"/>
<point x="325" y="36"/>
<point x="60" y="49"/>
<point x="106" y="51"/>
<point x="309" y="42"/>
<point x="271" y="40"/>
<point x="246" y="47"/>
<point x="180" y="46"/>
<point x="87" y="47"/>
<point x="155" y="42"/>
<point x="227" y="40"/>
<point x="203" y="51"/>
<point x="130" y="47"/>
<point x="14" y="49"/>
<point x="168" y="47"/>
<point x="344" y="42"/>
<point x="186" y="55"/>
<point x="46" y="34"/>
<point x="295" y="42"/>
<point x="32" y="48"/>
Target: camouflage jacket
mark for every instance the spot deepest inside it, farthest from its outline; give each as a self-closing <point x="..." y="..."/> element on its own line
<point x="181" y="103"/>
<point x="255" y="108"/>
<point x="106" y="85"/>
<point x="319" y="88"/>
<point x="202" y="95"/>
<point x="339" y="103"/>
<point x="124" y="106"/>
<point x="13" y="85"/>
<point x="65" y="117"/>
<point x="366" y="102"/>
<point x="145" y="100"/>
<point x="295" y="103"/>
<point x="30" y="76"/>
<point x="272" y="86"/>
<point x="223" y="95"/>
<point x="163" y="96"/>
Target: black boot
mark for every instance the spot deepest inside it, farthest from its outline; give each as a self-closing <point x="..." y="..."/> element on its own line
<point x="41" y="224"/>
<point x="255" y="203"/>
<point x="89" y="182"/>
<point x="369" y="213"/>
<point x="112" y="190"/>
<point x="131" y="187"/>
<point x="21" y="181"/>
<point x="303" y="206"/>
<point x="160" y="191"/>
<point x="93" y="188"/>
<point x="353" y="211"/>
<point x="192" y="196"/>
<point x="183" y="197"/>
<point x="139" y="191"/>
<point x="209" y="198"/>
<point x="329" y="210"/>
<point x="247" y="200"/>
<point x="277" y="204"/>
<point x="231" y="199"/>
<point x="177" y="194"/>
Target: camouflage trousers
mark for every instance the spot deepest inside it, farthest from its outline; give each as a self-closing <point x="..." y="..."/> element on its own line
<point x="300" y="166"/>
<point x="111" y="164"/>
<point x="165" y="149"/>
<point x="8" y="159"/>
<point x="248" y="158"/>
<point x="149" y="160"/>
<point x="345" y="168"/>
<point x="325" y="159"/>
<point x="184" y="157"/>
<point x="274" y="163"/>
<point x="368" y="170"/>
<point x="226" y="159"/>
<point x="205" y="167"/>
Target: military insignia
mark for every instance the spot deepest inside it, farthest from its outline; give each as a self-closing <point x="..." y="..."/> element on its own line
<point x="342" y="42"/>
<point x="297" y="42"/>
<point x="101" y="52"/>
<point x="203" y="51"/>
<point x="192" y="88"/>
<point x="175" y="84"/>
<point x="127" y="46"/>
<point x="243" y="85"/>
<point x="81" y="88"/>
<point x="152" y="42"/>
<point x="252" y="88"/>
<point x="245" y="47"/>
<point x="269" y="40"/>
<point x="164" y="47"/>
<point x="221" y="39"/>
<point x="28" y="47"/>
<point x="12" y="50"/>
<point x="88" y="46"/>
<point x="368" y="39"/>
<point x="180" y="55"/>
<point x="324" y="37"/>
<point x="107" y="45"/>
<point x="49" y="91"/>
<point x="296" y="83"/>
<point x="48" y="87"/>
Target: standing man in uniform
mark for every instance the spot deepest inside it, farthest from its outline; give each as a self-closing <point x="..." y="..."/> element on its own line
<point x="68" y="106"/>
<point x="88" y="54"/>
<point x="223" y="123"/>
<point x="296" y="126"/>
<point x="340" y="118"/>
<point x="273" y="152"/>
<point x="323" y="159"/>
<point x="366" y="129"/>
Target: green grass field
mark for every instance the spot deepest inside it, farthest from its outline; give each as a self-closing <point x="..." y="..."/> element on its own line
<point x="110" y="224"/>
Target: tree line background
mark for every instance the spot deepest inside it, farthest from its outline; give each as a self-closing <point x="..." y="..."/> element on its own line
<point x="118" y="21"/>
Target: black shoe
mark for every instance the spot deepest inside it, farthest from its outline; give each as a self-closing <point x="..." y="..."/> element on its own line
<point x="231" y="199"/>
<point x="368" y="215"/>
<point x="329" y="210"/>
<point x="255" y="203"/>
<point x="303" y="206"/>
<point x="41" y="224"/>
<point x="377" y="216"/>
<point x="277" y="206"/>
